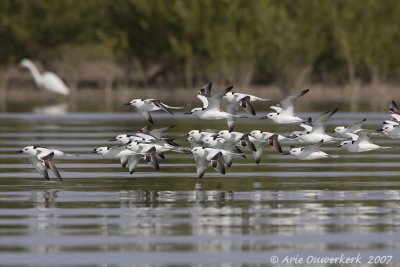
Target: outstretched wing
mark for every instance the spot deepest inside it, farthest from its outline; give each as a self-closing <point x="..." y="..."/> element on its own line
<point x="319" y="122"/>
<point x="288" y="102"/>
<point x="217" y="162"/>
<point x="151" y="158"/>
<point x="205" y="90"/>
<point x="40" y="167"/>
<point x="355" y="127"/>
<point x="159" y="104"/>
<point x="147" y="116"/>
<point x="48" y="162"/>
<point x="214" y="102"/>
<point x="245" y="103"/>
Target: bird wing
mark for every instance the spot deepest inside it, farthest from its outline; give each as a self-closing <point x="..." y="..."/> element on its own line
<point x="133" y="162"/>
<point x="40" y="167"/>
<point x="148" y="117"/>
<point x="48" y="162"/>
<point x="159" y="104"/>
<point x="124" y="161"/>
<point x="203" y="100"/>
<point x="319" y="122"/>
<point x="245" y="103"/>
<point x="312" y="148"/>
<point x="151" y="158"/>
<point x="274" y="143"/>
<point x="394" y="107"/>
<point x="232" y="108"/>
<point x="201" y="166"/>
<point x="214" y="102"/>
<point x="205" y="90"/>
<point x="288" y="102"/>
<point x="245" y="142"/>
<point x="217" y="162"/>
<point x="354" y="127"/>
<point x="158" y="132"/>
<point x="363" y="137"/>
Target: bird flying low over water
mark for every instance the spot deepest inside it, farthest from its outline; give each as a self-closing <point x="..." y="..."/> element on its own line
<point x="42" y="159"/>
<point x="310" y="152"/>
<point x="361" y="142"/>
<point x="318" y="133"/>
<point x="285" y="111"/>
<point x="145" y="106"/>
<point x="211" y="109"/>
<point x="346" y="131"/>
<point x="46" y="80"/>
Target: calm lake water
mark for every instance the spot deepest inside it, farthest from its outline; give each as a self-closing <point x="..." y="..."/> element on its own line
<point x="102" y="216"/>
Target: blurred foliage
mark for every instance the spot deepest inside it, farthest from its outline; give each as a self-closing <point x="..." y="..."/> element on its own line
<point x="184" y="42"/>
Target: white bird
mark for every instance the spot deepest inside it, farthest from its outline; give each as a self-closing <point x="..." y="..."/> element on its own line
<point x="47" y="80"/>
<point x="127" y="157"/>
<point x="221" y="143"/>
<point x="285" y="112"/>
<point x="242" y="138"/>
<point x="272" y="141"/>
<point x="309" y="152"/>
<point x="390" y="130"/>
<point x="306" y="125"/>
<point x="262" y="135"/>
<point x="125" y="139"/>
<point x="243" y="100"/>
<point x="145" y="106"/>
<point x="211" y="109"/>
<point x="209" y="156"/>
<point x="361" y="142"/>
<point x="318" y="133"/>
<point x="198" y="135"/>
<point x="42" y="159"/>
<point x="351" y="128"/>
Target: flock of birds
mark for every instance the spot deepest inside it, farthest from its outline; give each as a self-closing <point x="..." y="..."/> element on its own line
<point x="212" y="148"/>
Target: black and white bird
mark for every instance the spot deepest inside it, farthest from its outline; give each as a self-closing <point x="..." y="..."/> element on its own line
<point x="211" y="109"/>
<point x="346" y="131"/>
<point x="318" y="133"/>
<point x="42" y="159"/>
<point x="145" y="106"/>
<point x="310" y="152"/>
<point x="361" y="142"/>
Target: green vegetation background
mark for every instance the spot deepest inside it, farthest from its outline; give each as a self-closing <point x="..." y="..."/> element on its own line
<point x="185" y="42"/>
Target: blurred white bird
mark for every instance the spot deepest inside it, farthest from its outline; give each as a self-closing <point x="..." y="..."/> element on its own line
<point x="47" y="80"/>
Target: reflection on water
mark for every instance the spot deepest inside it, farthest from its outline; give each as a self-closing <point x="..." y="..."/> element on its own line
<point x="102" y="216"/>
<point x="57" y="109"/>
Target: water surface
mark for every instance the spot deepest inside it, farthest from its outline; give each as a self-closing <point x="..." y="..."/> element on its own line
<point x="100" y="215"/>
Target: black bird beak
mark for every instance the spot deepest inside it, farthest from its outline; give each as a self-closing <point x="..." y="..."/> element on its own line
<point x="339" y="146"/>
<point x="127" y="104"/>
<point x="187" y="113"/>
<point x="379" y="130"/>
<point x="94" y="150"/>
<point x="113" y="139"/>
<point x="19" y="151"/>
<point x="263" y="118"/>
<point x="186" y="135"/>
<point x="286" y="153"/>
